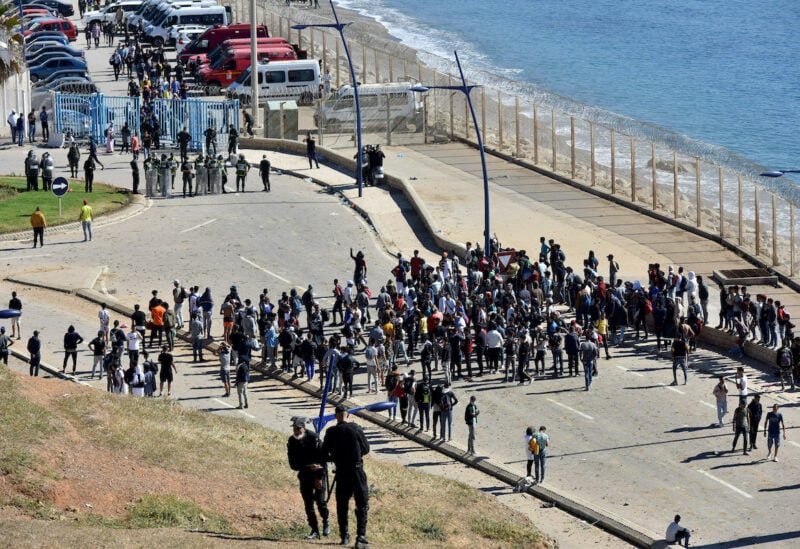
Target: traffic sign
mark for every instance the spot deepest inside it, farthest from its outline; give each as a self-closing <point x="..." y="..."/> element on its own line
<point x="506" y="258"/>
<point x="60" y="186"/>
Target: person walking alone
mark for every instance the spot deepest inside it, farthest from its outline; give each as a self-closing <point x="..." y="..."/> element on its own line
<point x="311" y="152"/>
<point x="263" y="171"/>
<point x="85" y="217"/>
<point x="471" y="413"/>
<point x="35" y="352"/>
<point x="772" y="430"/>
<point x="38" y="223"/>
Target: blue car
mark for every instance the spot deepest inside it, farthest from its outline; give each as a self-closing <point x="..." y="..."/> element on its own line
<point x="40" y="57"/>
<point x="55" y="64"/>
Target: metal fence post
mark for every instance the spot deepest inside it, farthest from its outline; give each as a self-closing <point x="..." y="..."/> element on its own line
<point x="633" y="170"/>
<point x="592" y="154"/>
<point x="535" y="134"/>
<point x="698" y="198"/>
<point x="516" y="126"/>
<point x="452" y="114"/>
<point x="553" y="136"/>
<point x="613" y="163"/>
<point x="572" y="146"/>
<point x="391" y="69"/>
<point x="791" y="239"/>
<point x="377" y="66"/>
<point x="363" y="64"/>
<point x="500" y="119"/>
<point x="739" y="212"/>
<point x="721" y="203"/>
<point x="653" y="161"/>
<point x="758" y="223"/>
<point x="337" y="63"/>
<point x="675" y="189"/>
<point x="775" y="259"/>
<point x="483" y="113"/>
<point x="324" y="50"/>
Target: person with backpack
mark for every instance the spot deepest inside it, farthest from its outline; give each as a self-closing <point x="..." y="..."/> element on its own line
<point x="785" y="362"/>
<point x="555" y="342"/>
<point x="530" y="445"/>
<point x="346" y="365"/>
<point x="471" y="413"/>
<point x="422" y="397"/>
<point x="137" y="380"/>
<point x="304" y="450"/>
<point x="447" y="402"/>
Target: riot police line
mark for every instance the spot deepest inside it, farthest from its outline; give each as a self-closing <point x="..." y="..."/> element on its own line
<point x="201" y="176"/>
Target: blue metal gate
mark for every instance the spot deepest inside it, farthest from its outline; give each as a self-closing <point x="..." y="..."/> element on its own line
<point x="87" y="116"/>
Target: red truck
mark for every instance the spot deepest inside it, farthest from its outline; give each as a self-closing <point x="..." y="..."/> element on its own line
<point x="213" y="37"/>
<point x="225" y="70"/>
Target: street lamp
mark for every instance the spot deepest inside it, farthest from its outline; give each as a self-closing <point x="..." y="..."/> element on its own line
<point x="340" y="27"/>
<point x="465" y="89"/>
<point x="777" y="173"/>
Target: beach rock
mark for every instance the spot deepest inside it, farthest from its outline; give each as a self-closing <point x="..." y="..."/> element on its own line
<point x="684" y="166"/>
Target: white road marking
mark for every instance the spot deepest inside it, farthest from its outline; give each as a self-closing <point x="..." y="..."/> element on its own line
<point x="704" y="403"/>
<point x="726" y="484"/>
<point x="624" y="369"/>
<point x="793" y="443"/>
<point x="24" y="256"/>
<point x="198" y="226"/>
<point x="234" y="407"/>
<point x="260" y="268"/>
<point x="671" y="388"/>
<point x="570" y="408"/>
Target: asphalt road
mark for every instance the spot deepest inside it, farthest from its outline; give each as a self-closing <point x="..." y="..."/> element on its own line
<point x="632" y="446"/>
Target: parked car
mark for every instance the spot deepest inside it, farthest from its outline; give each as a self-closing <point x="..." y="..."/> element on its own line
<point x="47" y="68"/>
<point x="64" y="8"/>
<point x="67" y="73"/>
<point x="63" y="25"/>
<point x="109" y="13"/>
<point x="176" y="30"/>
<point x="49" y="36"/>
<point x="43" y="55"/>
<point x="34" y="50"/>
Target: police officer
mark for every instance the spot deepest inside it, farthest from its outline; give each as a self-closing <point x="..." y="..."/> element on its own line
<point x="211" y="139"/>
<point x="184" y="137"/>
<point x="242" y="167"/>
<point x="173" y="169"/>
<point x="223" y="172"/>
<point x="32" y="171"/>
<point x="306" y="457"/>
<point x="263" y="170"/>
<point x="47" y="171"/>
<point x="233" y="138"/>
<point x="346" y="445"/>
<point x="186" y="169"/>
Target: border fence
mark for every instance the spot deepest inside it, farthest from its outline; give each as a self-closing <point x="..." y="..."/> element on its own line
<point x="87" y="116"/>
<point x="702" y="187"/>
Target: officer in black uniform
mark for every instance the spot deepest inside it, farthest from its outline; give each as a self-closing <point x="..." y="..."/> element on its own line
<point x="306" y="457"/>
<point x="346" y="445"/>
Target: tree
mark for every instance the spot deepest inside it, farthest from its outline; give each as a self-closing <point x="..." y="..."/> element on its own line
<point x="12" y="61"/>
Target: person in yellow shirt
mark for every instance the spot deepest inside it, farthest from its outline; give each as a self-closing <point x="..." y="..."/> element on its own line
<point x="85" y="218"/>
<point x="602" y="328"/>
<point x="38" y="223"/>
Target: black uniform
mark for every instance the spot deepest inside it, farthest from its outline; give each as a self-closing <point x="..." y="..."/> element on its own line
<point x="345" y="444"/>
<point x="302" y="454"/>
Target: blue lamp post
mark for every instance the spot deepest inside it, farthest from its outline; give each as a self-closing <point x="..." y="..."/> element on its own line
<point x="340" y="27"/>
<point x="466" y="89"/>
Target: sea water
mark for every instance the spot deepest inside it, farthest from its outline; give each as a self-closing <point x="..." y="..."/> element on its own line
<point x="723" y="72"/>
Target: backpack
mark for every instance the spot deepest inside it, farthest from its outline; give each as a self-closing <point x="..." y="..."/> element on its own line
<point x="129" y="375"/>
<point x="533" y="445"/>
<point x="399" y="390"/>
<point x="555" y="340"/>
<point x="369" y="353"/>
<point x="445" y="402"/>
<point x="391" y="383"/>
<point x="408" y="386"/>
<point x="648" y="306"/>
<point x="325" y="316"/>
<point x="785" y="360"/>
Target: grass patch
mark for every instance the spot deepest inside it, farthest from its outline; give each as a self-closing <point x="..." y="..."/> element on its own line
<point x="506" y="531"/>
<point x="33" y="507"/>
<point x="24" y="426"/>
<point x="156" y="511"/>
<point x="282" y="530"/>
<point x="17" y="205"/>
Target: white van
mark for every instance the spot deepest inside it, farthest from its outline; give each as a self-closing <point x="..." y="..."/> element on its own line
<point x="205" y="14"/>
<point x="392" y="103"/>
<point x="297" y="80"/>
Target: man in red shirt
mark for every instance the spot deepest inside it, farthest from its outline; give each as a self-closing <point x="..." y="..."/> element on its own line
<point x="416" y="266"/>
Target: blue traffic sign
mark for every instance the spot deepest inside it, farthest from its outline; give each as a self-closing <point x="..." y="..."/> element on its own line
<point x="60" y="186"/>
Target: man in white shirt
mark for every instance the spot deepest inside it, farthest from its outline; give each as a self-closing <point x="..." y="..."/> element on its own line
<point x="741" y="384"/>
<point x="676" y="532"/>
